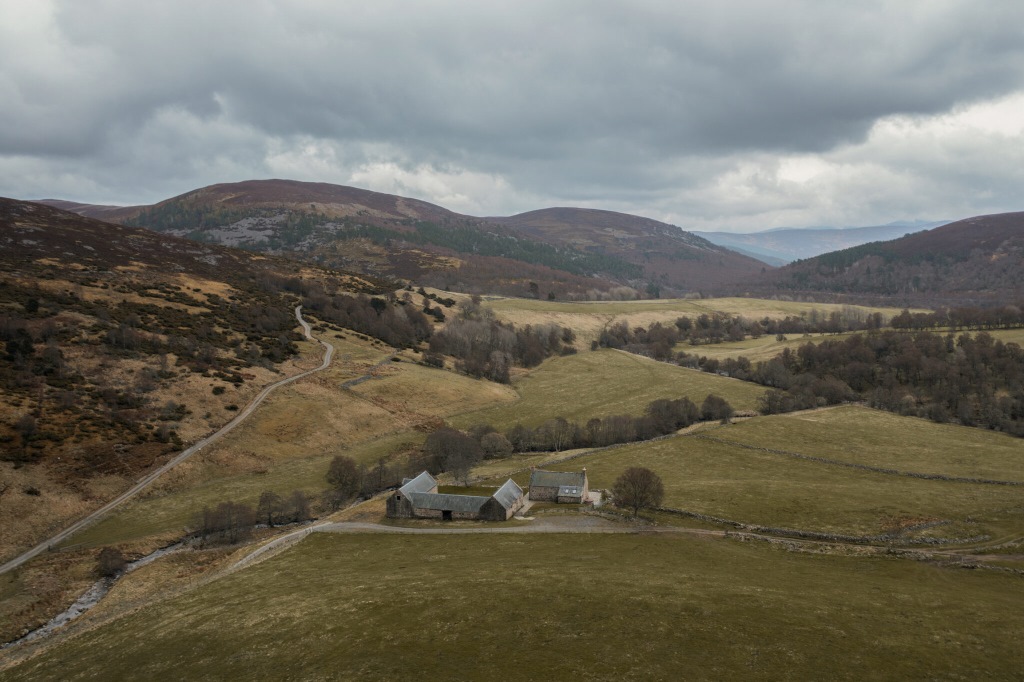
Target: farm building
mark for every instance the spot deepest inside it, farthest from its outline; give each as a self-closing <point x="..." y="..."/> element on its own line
<point x="565" y="487"/>
<point x="418" y="498"/>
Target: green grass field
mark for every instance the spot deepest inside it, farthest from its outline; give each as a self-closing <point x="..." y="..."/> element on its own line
<point x="600" y="607"/>
<point x="864" y="436"/>
<point x="602" y="383"/>
<point x="774" y="490"/>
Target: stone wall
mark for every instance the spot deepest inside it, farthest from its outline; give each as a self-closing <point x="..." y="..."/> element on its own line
<point x="544" y="493"/>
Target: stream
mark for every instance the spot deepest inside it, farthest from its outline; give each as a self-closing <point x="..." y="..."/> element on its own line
<point x="91" y="597"/>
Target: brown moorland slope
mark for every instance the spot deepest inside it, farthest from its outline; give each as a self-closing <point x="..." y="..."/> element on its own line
<point x="669" y="256"/>
<point x="117" y="345"/>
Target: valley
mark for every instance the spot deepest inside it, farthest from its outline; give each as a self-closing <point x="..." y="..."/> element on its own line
<point x="840" y="523"/>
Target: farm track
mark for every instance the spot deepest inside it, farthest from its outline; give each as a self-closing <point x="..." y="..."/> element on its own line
<point x="151" y="477"/>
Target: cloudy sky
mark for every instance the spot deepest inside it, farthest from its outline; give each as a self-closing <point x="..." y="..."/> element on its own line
<point x="710" y="115"/>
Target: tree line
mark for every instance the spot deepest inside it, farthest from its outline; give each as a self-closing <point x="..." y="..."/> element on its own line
<point x="487" y="348"/>
<point x="974" y="380"/>
<point x="961" y="317"/>
<point x="659" y="340"/>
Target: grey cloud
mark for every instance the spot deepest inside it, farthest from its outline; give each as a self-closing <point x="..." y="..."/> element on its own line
<point x="632" y="104"/>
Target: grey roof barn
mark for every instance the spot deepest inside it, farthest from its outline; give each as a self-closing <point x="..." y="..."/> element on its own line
<point x="418" y="498"/>
<point x="567" y="487"/>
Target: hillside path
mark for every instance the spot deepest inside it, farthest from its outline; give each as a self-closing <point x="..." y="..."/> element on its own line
<point x="149" y="478"/>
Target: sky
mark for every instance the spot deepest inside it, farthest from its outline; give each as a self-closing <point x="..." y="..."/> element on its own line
<point x="726" y="115"/>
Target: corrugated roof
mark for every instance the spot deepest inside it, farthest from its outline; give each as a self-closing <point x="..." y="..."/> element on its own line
<point x="421" y="484"/>
<point x="508" y="494"/>
<point x="557" y="479"/>
<point x="445" y="502"/>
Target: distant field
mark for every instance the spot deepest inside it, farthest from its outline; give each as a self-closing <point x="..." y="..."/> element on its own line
<point x="587" y="319"/>
<point x="758" y="307"/>
<point x="633" y="607"/>
<point x="606" y="382"/>
<point x="755" y="350"/>
<point x="774" y="490"/>
<point x="766" y="347"/>
<point x="1009" y="336"/>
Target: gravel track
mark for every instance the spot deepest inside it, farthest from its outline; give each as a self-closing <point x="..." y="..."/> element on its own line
<point x="149" y="478"/>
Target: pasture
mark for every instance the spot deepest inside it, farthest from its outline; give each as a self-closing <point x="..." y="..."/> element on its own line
<point x="633" y="607"/>
<point x="602" y="383"/>
<point x="722" y="479"/>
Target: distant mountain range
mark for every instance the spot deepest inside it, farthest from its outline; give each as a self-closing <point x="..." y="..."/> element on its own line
<point x="975" y="260"/>
<point x="560" y="252"/>
<point x="785" y="245"/>
<point x="573" y="253"/>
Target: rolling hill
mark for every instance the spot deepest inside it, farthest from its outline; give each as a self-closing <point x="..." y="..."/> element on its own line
<point x="670" y="257"/>
<point x="975" y="260"/>
<point x="560" y="253"/>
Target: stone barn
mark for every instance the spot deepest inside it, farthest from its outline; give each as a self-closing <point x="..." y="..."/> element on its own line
<point x="563" y="487"/>
<point x="418" y="498"/>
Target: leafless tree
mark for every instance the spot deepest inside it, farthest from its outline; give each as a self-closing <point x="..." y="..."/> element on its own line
<point x="638" y="488"/>
<point x="270" y="506"/>
<point x="297" y="506"/>
<point x="495" y="445"/>
<point x="344" y="477"/>
<point x="110" y="562"/>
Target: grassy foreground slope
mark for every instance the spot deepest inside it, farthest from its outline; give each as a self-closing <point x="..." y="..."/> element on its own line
<point x="751" y="486"/>
<point x="606" y="382"/>
<point x="554" y="607"/>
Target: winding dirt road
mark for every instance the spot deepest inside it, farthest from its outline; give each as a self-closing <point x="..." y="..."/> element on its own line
<point x="147" y="480"/>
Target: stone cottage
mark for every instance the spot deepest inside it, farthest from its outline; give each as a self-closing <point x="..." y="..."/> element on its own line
<point x="418" y="498"/>
<point x="564" y="487"/>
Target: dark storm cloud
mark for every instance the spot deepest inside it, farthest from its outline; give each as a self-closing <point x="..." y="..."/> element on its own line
<point x="626" y="102"/>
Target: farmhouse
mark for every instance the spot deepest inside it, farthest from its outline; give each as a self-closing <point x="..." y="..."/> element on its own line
<point x="566" y="487"/>
<point x="418" y="498"/>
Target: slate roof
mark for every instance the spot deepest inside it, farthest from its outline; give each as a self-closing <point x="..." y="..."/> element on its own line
<point x="557" y="479"/>
<point x="421" y="484"/>
<point x="508" y="494"/>
<point x="570" y="491"/>
<point x="446" y="502"/>
<point x="418" y="491"/>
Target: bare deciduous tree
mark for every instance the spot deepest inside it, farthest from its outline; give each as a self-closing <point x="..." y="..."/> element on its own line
<point x="270" y="506"/>
<point x="638" y="488"/>
<point x="110" y="562"/>
<point x="344" y="477"/>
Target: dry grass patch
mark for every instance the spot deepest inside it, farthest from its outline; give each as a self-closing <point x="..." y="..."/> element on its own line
<point x="587" y="319"/>
<point x="172" y="511"/>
